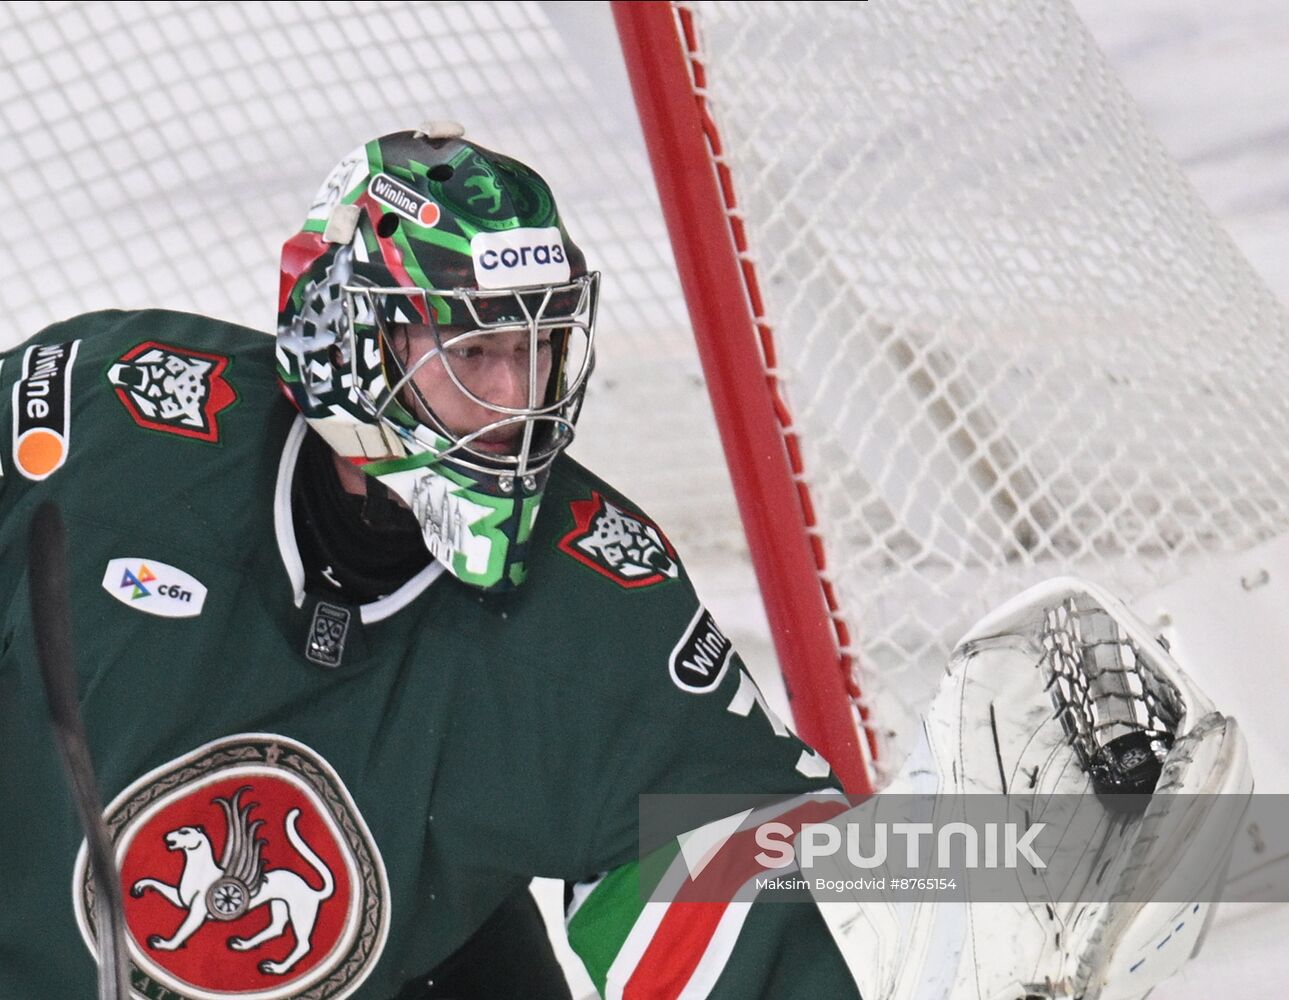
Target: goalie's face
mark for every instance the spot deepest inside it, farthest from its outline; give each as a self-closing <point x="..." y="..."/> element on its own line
<point x="485" y="383"/>
<point x="479" y="388"/>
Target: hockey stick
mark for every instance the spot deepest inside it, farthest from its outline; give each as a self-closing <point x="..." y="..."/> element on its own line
<point x="51" y="617"/>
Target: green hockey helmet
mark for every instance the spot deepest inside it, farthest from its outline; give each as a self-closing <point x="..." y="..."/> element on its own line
<point x="436" y="328"/>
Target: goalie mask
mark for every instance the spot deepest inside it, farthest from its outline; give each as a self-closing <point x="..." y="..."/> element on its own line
<point x="435" y="327"/>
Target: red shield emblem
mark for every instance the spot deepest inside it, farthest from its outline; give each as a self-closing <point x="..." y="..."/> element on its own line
<point x="246" y="872"/>
<point x="175" y="390"/>
<point x="625" y="547"/>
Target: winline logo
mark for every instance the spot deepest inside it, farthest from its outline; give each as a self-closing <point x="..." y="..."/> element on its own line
<point x="403" y="200"/>
<point x="42" y="409"/>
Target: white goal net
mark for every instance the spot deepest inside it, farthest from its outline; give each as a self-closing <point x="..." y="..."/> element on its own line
<point x="1013" y="341"/>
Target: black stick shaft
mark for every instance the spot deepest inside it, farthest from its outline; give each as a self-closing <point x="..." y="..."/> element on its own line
<point x="51" y="617"/>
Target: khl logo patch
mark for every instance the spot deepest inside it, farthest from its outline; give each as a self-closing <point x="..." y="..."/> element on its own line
<point x="175" y="390"/>
<point x="327" y="634"/>
<point x="247" y="872"/>
<point x="627" y="548"/>
<point x="154" y="587"/>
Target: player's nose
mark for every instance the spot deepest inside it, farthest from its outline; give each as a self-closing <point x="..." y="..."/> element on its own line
<point x="510" y="382"/>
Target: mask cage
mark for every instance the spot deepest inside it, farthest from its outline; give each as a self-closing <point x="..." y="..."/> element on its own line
<point x="566" y="312"/>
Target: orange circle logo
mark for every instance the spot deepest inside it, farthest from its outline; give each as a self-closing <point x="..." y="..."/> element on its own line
<point x="39" y="452"/>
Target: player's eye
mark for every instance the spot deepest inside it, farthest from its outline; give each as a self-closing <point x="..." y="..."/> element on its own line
<point x="465" y="352"/>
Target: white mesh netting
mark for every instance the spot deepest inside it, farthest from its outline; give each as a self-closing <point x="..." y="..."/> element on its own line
<point x="158" y="155"/>
<point x="1015" y="342"/>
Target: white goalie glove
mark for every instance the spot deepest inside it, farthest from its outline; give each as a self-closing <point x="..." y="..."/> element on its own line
<point x="1064" y="691"/>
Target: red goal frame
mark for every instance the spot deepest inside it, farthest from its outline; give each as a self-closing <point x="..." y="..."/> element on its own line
<point x="736" y="348"/>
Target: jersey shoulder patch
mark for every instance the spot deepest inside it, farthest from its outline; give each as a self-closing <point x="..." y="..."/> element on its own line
<point x="173" y="389"/>
<point x="600" y="529"/>
<point x="126" y="412"/>
<point x="169" y="373"/>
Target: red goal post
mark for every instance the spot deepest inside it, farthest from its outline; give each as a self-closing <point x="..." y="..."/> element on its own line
<point x="736" y="345"/>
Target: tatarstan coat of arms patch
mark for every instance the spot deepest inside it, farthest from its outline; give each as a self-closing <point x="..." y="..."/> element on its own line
<point x="246" y="872"/>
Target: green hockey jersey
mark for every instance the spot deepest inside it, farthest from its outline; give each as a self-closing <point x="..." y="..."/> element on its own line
<point x="309" y="799"/>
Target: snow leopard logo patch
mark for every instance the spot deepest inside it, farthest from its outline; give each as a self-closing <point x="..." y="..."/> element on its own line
<point x="174" y="390"/>
<point x="247" y="871"/>
<point x="627" y="548"/>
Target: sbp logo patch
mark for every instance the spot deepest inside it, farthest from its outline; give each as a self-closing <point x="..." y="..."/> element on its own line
<point x="175" y="390"/>
<point x="247" y="872"/>
<point x="154" y="587"/>
<point x="626" y="548"/>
